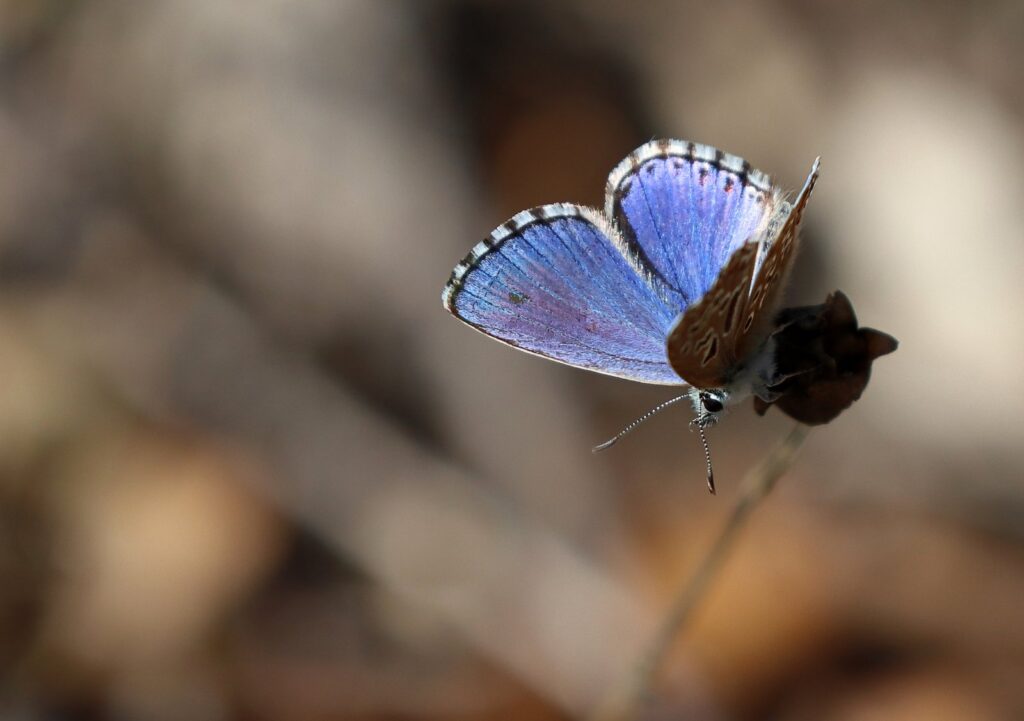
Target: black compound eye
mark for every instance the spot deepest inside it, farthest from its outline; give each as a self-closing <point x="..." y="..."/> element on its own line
<point x="711" y="405"/>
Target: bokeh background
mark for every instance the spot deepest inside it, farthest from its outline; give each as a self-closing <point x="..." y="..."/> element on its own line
<point x="250" y="469"/>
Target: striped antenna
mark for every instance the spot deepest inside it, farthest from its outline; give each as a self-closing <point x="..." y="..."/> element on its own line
<point x="646" y="416"/>
<point x="707" y="457"/>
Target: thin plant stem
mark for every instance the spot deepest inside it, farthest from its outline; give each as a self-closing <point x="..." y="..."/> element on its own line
<point x="624" y="699"/>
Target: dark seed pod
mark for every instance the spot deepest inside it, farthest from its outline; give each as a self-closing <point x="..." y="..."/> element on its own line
<point x="822" y="360"/>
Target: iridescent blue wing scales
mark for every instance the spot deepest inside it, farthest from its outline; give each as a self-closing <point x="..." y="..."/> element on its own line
<point x="714" y="337"/>
<point x="676" y="282"/>
<point x="558" y="281"/>
<point x="686" y="208"/>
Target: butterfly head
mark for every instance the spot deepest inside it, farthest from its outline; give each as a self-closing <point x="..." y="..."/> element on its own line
<point x="709" y="405"/>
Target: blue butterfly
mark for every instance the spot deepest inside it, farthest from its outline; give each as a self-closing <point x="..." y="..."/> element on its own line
<point x="676" y="283"/>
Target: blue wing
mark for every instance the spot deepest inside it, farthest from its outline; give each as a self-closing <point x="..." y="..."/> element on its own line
<point x="685" y="208"/>
<point x="558" y="281"/>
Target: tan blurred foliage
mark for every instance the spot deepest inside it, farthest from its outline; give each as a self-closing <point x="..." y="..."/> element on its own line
<point x="250" y="470"/>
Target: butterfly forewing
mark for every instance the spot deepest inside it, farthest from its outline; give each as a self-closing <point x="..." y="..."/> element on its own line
<point x="558" y="282"/>
<point x="772" y="273"/>
<point x="701" y="344"/>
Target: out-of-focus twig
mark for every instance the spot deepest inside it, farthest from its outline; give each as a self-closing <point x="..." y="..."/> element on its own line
<point x="624" y="699"/>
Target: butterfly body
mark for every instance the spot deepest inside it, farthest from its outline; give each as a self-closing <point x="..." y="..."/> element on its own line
<point x="675" y="283"/>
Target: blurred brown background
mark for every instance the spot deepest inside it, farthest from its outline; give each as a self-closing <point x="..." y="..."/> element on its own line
<point x="249" y="468"/>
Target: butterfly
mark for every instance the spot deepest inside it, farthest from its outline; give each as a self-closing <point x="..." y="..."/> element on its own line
<point x="675" y="283"/>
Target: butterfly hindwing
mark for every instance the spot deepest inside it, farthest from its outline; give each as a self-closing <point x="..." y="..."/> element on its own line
<point x="684" y="208"/>
<point x="559" y="282"/>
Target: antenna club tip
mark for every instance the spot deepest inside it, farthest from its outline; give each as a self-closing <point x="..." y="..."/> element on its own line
<point x="707" y="458"/>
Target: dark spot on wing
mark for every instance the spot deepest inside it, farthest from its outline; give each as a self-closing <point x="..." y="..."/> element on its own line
<point x="517" y="298"/>
<point x="729" y="183"/>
